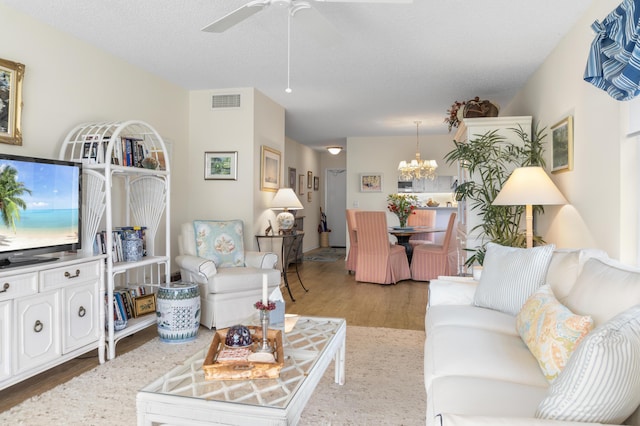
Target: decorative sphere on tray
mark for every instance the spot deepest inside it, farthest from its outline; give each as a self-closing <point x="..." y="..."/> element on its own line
<point x="238" y="336"/>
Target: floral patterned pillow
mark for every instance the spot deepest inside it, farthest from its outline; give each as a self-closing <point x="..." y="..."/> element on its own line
<point x="550" y="330"/>
<point x="220" y="241"/>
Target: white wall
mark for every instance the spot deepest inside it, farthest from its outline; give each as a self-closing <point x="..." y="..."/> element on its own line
<point x="259" y="121"/>
<point x="68" y="82"/>
<point x="601" y="188"/>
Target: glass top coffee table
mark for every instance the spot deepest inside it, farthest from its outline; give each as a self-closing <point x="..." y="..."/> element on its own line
<point x="184" y="397"/>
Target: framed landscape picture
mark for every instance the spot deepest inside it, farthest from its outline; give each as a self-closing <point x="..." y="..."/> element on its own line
<point x="11" y="75"/>
<point x="562" y="145"/>
<point x="371" y="182"/>
<point x="221" y="165"/>
<point x="269" y="169"/>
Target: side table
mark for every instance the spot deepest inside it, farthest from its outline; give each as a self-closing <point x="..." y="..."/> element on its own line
<point x="291" y="244"/>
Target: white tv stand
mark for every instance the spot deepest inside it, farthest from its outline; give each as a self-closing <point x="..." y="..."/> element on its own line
<point x="50" y="313"/>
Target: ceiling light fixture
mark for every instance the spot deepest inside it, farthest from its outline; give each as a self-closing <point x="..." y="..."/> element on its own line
<point x="334" y="150"/>
<point x="417" y="168"/>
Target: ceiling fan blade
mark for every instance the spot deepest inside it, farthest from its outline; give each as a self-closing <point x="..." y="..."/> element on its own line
<point x="367" y="1"/>
<point x="235" y="17"/>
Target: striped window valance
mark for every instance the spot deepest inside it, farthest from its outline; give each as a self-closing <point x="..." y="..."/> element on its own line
<point x="614" y="59"/>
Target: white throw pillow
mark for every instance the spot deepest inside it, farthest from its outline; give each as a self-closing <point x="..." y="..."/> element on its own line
<point x="510" y="275"/>
<point x="601" y="381"/>
<point x="604" y="288"/>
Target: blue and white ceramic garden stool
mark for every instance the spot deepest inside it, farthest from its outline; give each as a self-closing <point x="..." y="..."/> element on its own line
<point x="178" y="312"/>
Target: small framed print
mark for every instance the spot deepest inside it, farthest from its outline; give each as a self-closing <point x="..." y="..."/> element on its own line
<point x="316" y="183"/>
<point x="370" y="182"/>
<point x="309" y="179"/>
<point x="221" y="165"/>
<point x="309" y="196"/>
<point x="292" y="178"/>
<point x="300" y="184"/>
<point x="144" y="305"/>
<point x="269" y="169"/>
<point x="11" y="76"/>
<point x="562" y="145"/>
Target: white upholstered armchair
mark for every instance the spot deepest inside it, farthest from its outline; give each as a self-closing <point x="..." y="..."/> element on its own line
<point x="230" y="279"/>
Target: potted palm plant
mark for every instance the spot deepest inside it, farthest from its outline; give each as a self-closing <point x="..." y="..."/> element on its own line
<point x="490" y="159"/>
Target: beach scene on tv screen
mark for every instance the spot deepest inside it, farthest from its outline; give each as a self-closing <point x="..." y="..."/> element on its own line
<point x="38" y="205"/>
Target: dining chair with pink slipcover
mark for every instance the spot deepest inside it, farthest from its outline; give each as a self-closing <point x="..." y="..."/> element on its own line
<point x="422" y="218"/>
<point x="378" y="260"/>
<point x="432" y="260"/>
<point x="352" y="255"/>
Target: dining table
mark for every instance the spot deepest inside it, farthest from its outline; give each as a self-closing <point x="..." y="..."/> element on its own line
<point x="403" y="234"/>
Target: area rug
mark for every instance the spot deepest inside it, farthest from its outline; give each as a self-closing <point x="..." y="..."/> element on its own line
<point x="329" y="254"/>
<point x="384" y="385"/>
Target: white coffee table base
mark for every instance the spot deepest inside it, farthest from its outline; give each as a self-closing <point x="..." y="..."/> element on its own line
<point x="183" y="397"/>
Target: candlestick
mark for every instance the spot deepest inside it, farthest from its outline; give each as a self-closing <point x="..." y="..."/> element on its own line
<point x="265" y="290"/>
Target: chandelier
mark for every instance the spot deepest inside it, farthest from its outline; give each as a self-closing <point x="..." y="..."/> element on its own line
<point x="417" y="168"/>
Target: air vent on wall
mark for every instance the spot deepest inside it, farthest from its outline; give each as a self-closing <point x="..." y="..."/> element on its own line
<point x="225" y="101"/>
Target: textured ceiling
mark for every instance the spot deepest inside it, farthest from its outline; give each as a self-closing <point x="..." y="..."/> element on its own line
<point x="373" y="71"/>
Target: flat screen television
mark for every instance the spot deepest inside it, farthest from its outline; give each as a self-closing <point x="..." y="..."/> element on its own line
<point x="40" y="209"/>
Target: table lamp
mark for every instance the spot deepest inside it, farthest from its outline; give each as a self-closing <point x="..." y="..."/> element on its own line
<point x="529" y="186"/>
<point x="285" y="200"/>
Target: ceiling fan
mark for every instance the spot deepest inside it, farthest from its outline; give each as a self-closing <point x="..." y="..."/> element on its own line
<point x="253" y="7"/>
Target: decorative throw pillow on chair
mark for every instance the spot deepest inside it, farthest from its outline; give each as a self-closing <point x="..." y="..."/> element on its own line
<point x="220" y="241"/>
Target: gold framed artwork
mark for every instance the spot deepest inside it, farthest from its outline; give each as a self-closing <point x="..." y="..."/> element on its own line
<point x="309" y="179"/>
<point x="300" y="184"/>
<point x="316" y="183"/>
<point x="309" y="196"/>
<point x="221" y="165"/>
<point x="562" y="145"/>
<point x="144" y="305"/>
<point x="370" y="182"/>
<point x="269" y="169"/>
<point x="11" y="76"/>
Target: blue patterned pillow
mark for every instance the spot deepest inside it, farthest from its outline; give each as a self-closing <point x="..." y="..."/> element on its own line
<point x="220" y="241"/>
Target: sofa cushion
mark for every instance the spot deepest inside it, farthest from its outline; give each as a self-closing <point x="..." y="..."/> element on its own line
<point x="550" y="330"/>
<point x="601" y="382"/>
<point x="482" y="397"/>
<point x="565" y="266"/>
<point x="603" y="289"/>
<point x="510" y="275"/>
<point x="470" y="316"/>
<point x="220" y="241"/>
<point x="475" y="352"/>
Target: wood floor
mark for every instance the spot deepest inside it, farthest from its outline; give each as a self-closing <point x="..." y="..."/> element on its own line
<point x="332" y="293"/>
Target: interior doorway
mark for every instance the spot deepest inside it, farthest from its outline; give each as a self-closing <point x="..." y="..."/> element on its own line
<point x="335" y="206"/>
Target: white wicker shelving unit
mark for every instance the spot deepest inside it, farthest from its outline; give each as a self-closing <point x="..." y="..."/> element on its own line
<point x="126" y="194"/>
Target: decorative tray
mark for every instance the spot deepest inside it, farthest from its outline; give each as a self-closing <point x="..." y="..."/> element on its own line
<point x="243" y="369"/>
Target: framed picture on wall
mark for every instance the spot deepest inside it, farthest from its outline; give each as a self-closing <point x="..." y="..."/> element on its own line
<point x="292" y="178"/>
<point x="370" y="182"/>
<point x="221" y="165"/>
<point x="269" y="169"/>
<point x="300" y="184"/>
<point x="316" y="183"/>
<point x="309" y="179"/>
<point x="11" y="75"/>
<point x="562" y="145"/>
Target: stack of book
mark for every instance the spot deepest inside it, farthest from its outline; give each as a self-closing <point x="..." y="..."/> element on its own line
<point x="100" y="242"/>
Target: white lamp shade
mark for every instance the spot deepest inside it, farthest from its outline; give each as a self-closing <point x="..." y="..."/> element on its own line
<point x="286" y="199"/>
<point x="529" y="185"/>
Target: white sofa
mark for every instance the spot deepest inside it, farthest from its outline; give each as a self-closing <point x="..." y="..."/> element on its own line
<point x="479" y="371"/>
<point x="227" y="294"/>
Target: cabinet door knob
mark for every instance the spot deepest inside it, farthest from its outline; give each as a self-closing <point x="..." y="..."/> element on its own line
<point x="38" y="326"/>
<point x="68" y="275"/>
<point x="82" y="312"/>
<point x="5" y="287"/>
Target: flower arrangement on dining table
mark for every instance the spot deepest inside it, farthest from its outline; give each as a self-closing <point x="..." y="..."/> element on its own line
<point x="402" y="205"/>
